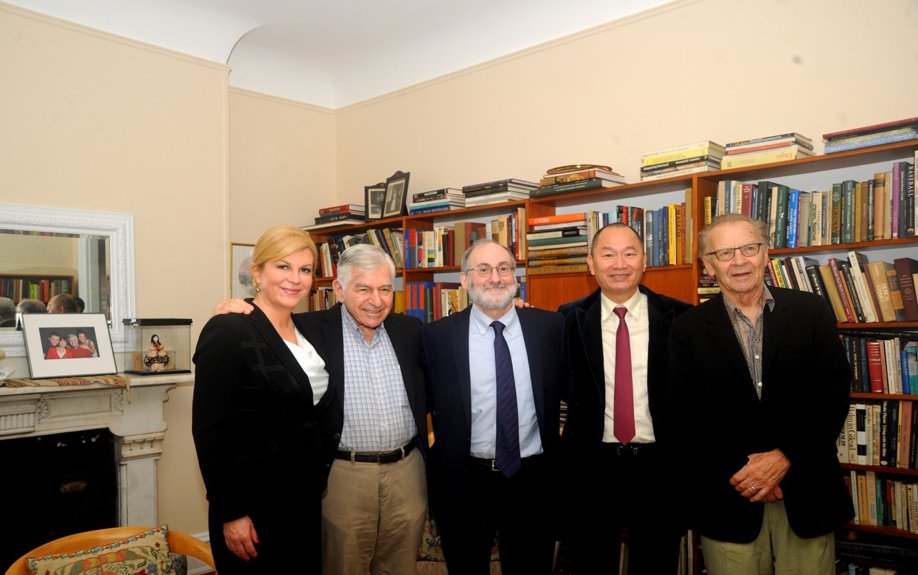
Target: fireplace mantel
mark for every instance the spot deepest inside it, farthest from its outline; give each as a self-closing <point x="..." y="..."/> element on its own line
<point x="134" y="416"/>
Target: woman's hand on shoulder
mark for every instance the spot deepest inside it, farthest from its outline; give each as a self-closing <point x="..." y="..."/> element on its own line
<point x="241" y="538"/>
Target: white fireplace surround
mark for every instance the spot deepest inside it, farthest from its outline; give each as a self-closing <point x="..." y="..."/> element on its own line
<point x="134" y="417"/>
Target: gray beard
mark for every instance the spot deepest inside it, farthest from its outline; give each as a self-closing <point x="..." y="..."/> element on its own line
<point x="477" y="295"/>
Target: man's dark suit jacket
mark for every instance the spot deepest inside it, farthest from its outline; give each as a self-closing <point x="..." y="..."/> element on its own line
<point x="803" y="407"/>
<point x="587" y="389"/>
<point x="323" y="330"/>
<point x="446" y="343"/>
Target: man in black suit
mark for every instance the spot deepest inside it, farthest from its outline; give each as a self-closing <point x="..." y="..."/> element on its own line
<point x="760" y="379"/>
<point x="375" y="430"/>
<point x="617" y="438"/>
<point x="495" y="378"/>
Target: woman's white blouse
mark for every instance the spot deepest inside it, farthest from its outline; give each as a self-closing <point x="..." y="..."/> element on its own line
<point x="312" y="364"/>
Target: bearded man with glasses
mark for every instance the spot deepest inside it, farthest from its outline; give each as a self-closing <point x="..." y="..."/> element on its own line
<point x="495" y="376"/>
<point x="758" y="384"/>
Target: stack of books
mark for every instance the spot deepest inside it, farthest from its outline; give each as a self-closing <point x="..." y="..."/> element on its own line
<point x="857" y="290"/>
<point x="576" y="178"/>
<point x="436" y="201"/>
<point x="871" y="136"/>
<point x="769" y="150"/>
<point x="707" y="288"/>
<point x="347" y="214"/>
<point x="558" y="244"/>
<point x="498" y="192"/>
<point x="681" y="161"/>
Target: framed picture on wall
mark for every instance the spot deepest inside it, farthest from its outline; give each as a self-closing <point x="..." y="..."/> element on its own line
<point x="374" y="198"/>
<point x="242" y="285"/>
<point x="396" y="192"/>
<point x="68" y="344"/>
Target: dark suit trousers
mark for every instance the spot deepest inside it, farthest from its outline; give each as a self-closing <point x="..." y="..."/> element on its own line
<point x="516" y="508"/>
<point x="624" y="490"/>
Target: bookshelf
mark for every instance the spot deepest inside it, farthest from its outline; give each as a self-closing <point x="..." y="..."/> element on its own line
<point x="679" y="281"/>
<point x="36" y="286"/>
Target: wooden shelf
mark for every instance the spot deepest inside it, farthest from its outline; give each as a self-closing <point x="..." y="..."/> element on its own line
<point x="900" y="325"/>
<point x="872" y="395"/>
<point x="880" y="469"/>
<point x="844" y="247"/>
<point x="476" y="211"/>
<point x="881" y="530"/>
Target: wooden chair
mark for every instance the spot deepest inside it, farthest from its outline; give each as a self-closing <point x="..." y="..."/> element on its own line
<point x="179" y="543"/>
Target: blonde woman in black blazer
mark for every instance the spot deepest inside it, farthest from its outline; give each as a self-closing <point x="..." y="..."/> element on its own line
<point x="260" y="389"/>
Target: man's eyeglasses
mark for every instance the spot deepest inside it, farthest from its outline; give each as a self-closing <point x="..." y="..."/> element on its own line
<point x="728" y="254"/>
<point x="484" y="270"/>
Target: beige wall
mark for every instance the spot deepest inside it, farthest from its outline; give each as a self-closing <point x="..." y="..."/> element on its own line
<point x="93" y="122"/>
<point x="282" y="163"/>
<point x="713" y="69"/>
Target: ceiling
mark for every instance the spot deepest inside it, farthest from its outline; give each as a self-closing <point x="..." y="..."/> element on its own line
<point x="333" y="53"/>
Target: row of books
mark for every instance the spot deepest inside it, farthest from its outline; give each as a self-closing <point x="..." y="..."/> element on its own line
<point x="882" y="362"/>
<point x="560" y="243"/>
<point x="880" y="433"/>
<point x="44" y="289"/>
<point x="767" y="150"/>
<point x="858" y="291"/>
<point x="444" y="245"/>
<point x="390" y="240"/>
<point x="883" y="502"/>
<point x="430" y="301"/>
<point x="684" y="160"/>
<point x="879" y="209"/>
<point x="576" y="178"/>
<point x="322" y="298"/>
<point x="867" y="136"/>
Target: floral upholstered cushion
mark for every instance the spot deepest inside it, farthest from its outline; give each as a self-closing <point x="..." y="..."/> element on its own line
<point x="146" y="553"/>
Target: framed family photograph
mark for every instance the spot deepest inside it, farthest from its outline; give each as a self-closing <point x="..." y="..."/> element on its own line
<point x="374" y="198"/>
<point x="81" y="339"/>
<point x="396" y="192"/>
<point x="242" y="284"/>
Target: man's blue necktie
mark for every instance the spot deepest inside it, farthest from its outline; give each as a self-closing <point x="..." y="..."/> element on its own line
<point x="507" y="452"/>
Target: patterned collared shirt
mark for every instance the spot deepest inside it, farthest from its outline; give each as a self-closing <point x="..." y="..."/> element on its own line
<point x="377" y="415"/>
<point x="750" y="334"/>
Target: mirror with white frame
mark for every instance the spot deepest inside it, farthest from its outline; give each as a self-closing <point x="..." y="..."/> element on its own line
<point x="96" y="249"/>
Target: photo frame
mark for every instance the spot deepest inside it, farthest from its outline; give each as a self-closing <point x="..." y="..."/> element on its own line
<point x="242" y="284"/>
<point x="396" y="192"/>
<point x="81" y="338"/>
<point x="374" y="198"/>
